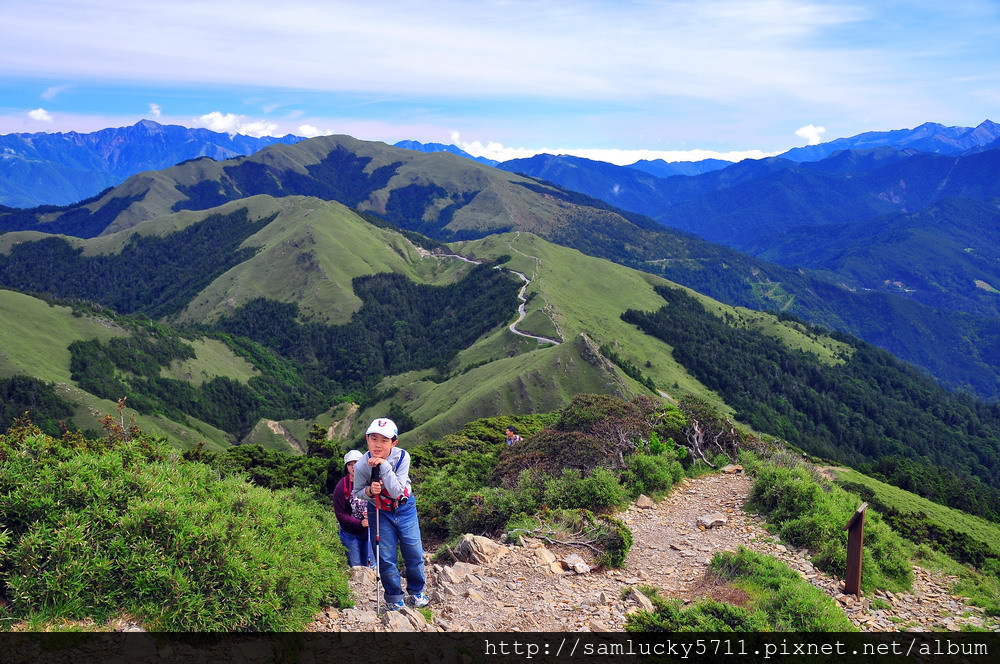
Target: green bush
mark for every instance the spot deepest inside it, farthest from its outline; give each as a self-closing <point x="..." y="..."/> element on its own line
<point x="488" y="510"/>
<point x="777" y="600"/>
<point x="437" y="495"/>
<point x="551" y="451"/>
<point x="651" y="474"/>
<point x="813" y="515"/>
<point x="598" y="490"/>
<point x="705" y="615"/>
<point x="92" y="533"/>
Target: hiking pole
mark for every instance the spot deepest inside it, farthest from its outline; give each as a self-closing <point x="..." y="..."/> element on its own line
<point x="376" y="470"/>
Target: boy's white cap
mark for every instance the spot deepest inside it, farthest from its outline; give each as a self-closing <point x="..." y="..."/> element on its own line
<point x="383" y="426"/>
<point x="353" y="455"/>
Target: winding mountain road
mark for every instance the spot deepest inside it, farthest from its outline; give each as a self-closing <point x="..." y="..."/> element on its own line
<point x="521" y="313"/>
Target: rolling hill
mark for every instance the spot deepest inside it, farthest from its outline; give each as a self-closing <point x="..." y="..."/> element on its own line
<point x="305" y="305"/>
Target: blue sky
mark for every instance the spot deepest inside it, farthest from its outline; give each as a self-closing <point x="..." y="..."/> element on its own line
<point x="616" y="80"/>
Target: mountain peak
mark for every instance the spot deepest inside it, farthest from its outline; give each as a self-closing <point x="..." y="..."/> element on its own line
<point x="442" y="147"/>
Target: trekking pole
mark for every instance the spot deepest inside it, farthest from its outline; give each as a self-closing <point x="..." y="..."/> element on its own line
<point x="378" y="548"/>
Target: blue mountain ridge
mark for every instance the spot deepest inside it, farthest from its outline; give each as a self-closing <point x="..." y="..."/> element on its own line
<point x="63" y="168"/>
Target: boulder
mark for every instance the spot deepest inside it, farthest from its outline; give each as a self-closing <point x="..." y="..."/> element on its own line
<point x="458" y="572"/>
<point x="395" y="621"/>
<point x="644" y="602"/>
<point x="644" y="502"/>
<point x="479" y="550"/>
<point x="712" y="520"/>
<point x="546" y="556"/>
<point x="362" y="576"/>
<point x="576" y="563"/>
<point x="415" y="617"/>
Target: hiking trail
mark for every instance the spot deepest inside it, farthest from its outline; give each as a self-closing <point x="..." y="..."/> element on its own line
<point x="526" y="588"/>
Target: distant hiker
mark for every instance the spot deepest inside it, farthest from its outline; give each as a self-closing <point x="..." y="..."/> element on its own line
<point x="352" y="515"/>
<point x="392" y="513"/>
<point x="512" y="437"/>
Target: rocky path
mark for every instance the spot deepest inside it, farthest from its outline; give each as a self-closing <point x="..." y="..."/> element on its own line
<point x="529" y="589"/>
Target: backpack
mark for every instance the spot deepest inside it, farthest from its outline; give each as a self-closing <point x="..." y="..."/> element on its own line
<point x="383" y="500"/>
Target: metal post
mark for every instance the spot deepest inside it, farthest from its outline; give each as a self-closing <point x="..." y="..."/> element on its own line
<point x="855" y="541"/>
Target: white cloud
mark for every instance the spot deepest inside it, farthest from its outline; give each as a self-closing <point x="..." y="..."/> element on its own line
<point x="811" y="133"/>
<point x="596" y="51"/>
<point x="310" y="131"/>
<point x="216" y="121"/>
<point x="154" y="110"/>
<point x="40" y="114"/>
<point x="230" y="123"/>
<point x="500" y="152"/>
<point x="749" y="63"/>
<point x="258" y="129"/>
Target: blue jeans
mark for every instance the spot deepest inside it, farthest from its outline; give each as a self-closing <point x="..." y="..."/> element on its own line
<point x="401" y="530"/>
<point x="359" y="549"/>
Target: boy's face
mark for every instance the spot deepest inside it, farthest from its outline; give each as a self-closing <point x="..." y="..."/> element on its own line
<point x="380" y="446"/>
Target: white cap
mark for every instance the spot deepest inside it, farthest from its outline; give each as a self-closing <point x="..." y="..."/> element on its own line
<point x="383" y="426"/>
<point x="353" y="455"/>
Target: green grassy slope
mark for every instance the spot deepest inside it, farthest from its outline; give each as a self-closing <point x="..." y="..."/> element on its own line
<point x="312" y="249"/>
<point x="308" y="254"/>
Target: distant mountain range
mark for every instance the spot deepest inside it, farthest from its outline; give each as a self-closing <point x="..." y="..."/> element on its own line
<point x="62" y="168"/>
<point x="928" y="137"/>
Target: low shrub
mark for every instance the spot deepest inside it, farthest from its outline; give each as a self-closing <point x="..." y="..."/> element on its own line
<point x="597" y="490"/>
<point x="791" y="603"/>
<point x="777" y="600"/>
<point x="652" y="474"/>
<point x="704" y="615"/>
<point x="94" y="529"/>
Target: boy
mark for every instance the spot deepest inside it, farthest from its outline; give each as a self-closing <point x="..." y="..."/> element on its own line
<point x="396" y="526"/>
<point x="511" y="435"/>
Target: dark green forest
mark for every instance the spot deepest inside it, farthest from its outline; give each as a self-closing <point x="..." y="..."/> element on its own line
<point x="868" y="407"/>
<point x="20" y="395"/>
